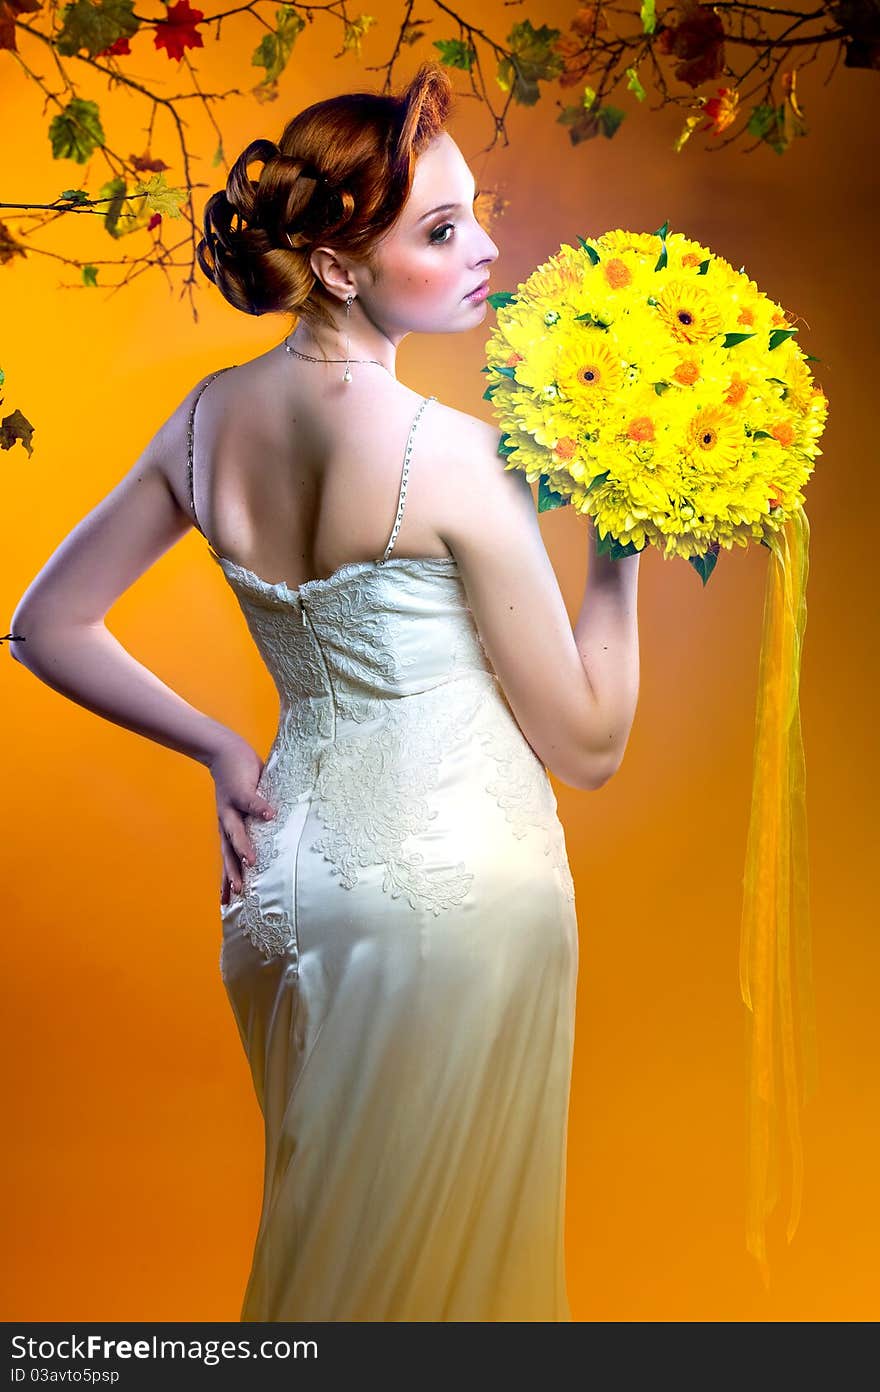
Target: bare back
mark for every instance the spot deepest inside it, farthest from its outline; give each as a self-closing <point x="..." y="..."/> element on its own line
<point x="295" y="473"/>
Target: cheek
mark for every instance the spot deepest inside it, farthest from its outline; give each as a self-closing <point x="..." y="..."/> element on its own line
<point x="428" y="277"/>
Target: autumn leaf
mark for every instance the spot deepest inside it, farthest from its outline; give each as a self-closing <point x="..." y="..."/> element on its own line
<point x="274" y="50"/>
<point x="698" y="38"/>
<point x="16" y="427"/>
<point x="9" y="10"/>
<point x="95" y="27"/>
<point x="160" y="198"/>
<point x="178" y="32"/>
<point x="355" y="29"/>
<point x="532" y="60"/>
<point x="76" y="132"/>
<point x="455" y="53"/>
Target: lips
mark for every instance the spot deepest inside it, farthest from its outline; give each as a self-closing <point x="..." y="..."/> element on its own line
<point x="481" y="286"/>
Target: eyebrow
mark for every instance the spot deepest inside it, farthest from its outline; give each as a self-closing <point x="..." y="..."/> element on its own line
<point x="445" y="208"/>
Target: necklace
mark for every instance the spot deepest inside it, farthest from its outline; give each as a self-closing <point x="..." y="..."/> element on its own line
<point x="297" y="354"/>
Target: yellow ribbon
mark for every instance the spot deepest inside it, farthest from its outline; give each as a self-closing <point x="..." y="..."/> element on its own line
<point x="775" y="952"/>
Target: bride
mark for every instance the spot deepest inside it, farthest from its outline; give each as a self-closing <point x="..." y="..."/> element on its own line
<point x="398" y="934"/>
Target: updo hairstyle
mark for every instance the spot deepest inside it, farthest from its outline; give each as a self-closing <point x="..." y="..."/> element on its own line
<point x="339" y="176"/>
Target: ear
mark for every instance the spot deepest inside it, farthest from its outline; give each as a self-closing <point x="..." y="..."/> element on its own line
<point x="332" y="273"/>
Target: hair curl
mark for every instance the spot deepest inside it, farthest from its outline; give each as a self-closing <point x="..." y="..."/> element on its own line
<point x="339" y="176"/>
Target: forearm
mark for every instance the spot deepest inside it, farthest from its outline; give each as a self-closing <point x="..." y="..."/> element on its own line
<point x="607" y="638"/>
<point x="91" y="667"/>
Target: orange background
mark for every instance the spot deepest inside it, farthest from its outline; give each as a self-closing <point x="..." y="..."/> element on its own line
<point x="134" y="1145"/>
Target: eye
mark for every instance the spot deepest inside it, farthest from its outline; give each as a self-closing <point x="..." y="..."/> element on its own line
<point x="441" y="241"/>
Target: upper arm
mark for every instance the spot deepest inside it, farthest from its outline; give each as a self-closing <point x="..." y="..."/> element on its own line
<point x="114" y="544"/>
<point x="489" y="522"/>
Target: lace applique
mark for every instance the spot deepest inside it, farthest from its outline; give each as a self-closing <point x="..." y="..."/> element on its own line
<point x="372" y="795"/>
<point x="289" y="771"/>
<point x="524" y="793"/>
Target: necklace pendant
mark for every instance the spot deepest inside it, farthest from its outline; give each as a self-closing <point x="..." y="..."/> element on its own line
<point x="346" y="376"/>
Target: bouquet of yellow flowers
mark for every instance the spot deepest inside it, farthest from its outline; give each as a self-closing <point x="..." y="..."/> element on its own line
<point x="641" y="379"/>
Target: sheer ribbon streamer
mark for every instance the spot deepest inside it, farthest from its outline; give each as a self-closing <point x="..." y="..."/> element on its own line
<point x="776" y="979"/>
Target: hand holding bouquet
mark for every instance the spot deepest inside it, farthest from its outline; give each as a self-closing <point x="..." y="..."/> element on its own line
<point x="645" y="382"/>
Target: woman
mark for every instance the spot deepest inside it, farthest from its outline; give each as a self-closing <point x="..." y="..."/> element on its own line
<point x="399" y="937"/>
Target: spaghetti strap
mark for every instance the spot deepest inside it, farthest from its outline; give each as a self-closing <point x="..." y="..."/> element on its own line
<point x="403" y="481"/>
<point x="191" y="436"/>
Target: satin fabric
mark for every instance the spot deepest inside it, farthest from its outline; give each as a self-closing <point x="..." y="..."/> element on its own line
<point x="401" y="963"/>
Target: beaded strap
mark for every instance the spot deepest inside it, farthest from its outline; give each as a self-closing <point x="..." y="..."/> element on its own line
<point x="401" y="501"/>
<point x="191" y="434"/>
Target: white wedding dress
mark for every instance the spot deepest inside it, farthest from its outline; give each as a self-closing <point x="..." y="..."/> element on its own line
<point x="401" y="962"/>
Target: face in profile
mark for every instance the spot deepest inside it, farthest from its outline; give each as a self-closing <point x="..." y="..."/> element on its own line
<point x="434" y="255"/>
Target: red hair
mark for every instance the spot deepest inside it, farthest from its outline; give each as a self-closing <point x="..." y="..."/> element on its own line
<point x="339" y="176"/>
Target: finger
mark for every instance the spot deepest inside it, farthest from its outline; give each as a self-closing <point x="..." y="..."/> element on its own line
<point x="231" y="866"/>
<point x="258" y="806"/>
<point x="239" y="840"/>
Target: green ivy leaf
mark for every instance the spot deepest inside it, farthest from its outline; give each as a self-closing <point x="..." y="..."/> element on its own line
<point x="648" y="16"/>
<point x="76" y="132"/>
<point x="456" y="53"/>
<point x="90" y="275"/>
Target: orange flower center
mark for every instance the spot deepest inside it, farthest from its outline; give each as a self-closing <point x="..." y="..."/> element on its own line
<point x="687" y="372"/>
<point x="617" y="273"/>
<point x="736" y="391"/>
<point x="746" y="316"/>
<point x="783" y="432"/>
<point x="775" y="499"/>
<point x="690" y="258"/>
<point x="641" y="428"/>
<point x="565" y="447"/>
<point x="513" y="360"/>
<point x="707" y="438"/>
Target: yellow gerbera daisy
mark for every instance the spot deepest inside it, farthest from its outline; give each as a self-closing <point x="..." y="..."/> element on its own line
<point x="714" y="438"/>
<point x="688" y="311"/>
<point x="593" y="368"/>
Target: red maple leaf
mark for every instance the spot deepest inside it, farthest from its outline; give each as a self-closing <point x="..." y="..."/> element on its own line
<point x="178" y="32"/>
<point x="120" y="45"/>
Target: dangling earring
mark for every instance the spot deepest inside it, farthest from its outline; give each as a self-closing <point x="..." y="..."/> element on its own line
<point x="346" y="376"/>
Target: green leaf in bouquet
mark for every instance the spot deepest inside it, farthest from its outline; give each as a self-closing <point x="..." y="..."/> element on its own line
<point x="732" y="339"/>
<point x="779" y="336"/>
<point x="616" y="550"/>
<point x="704" y="565"/>
<point x="591" y="251"/>
<point x="588" y="318"/>
<point x="762" y="435"/>
<point x="599" y="478"/>
<point x="505" y="371"/>
<point x="661" y="387"/>
<point x="548" y="497"/>
<point x="504" y="449"/>
<point x="491" y="390"/>
<point x="663" y="258"/>
<point x="810" y="357"/>
<point x="703" y="268"/>
<point x="499" y="298"/>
